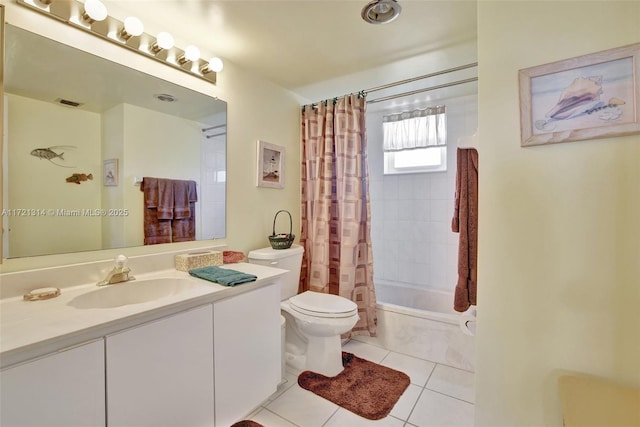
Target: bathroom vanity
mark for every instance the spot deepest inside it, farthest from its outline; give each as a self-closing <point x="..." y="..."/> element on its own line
<point x="205" y="355"/>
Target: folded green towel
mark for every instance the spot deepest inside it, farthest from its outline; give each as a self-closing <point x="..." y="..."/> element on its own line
<point x="223" y="276"/>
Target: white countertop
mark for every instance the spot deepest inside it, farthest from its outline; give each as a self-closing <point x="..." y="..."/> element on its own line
<point x="30" y="329"/>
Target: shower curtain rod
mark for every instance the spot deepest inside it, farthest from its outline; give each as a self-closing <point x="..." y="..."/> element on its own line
<point x="426" y="76"/>
<point x="216" y="134"/>
<point x="413" y="79"/>
<point x="413" y="92"/>
<point x="213" y="127"/>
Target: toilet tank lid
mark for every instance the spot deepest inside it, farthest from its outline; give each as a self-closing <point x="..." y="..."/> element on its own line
<point x="272" y="254"/>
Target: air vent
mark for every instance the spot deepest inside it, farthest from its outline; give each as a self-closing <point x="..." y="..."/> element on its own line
<point x="68" y="103"/>
<point x="165" y="97"/>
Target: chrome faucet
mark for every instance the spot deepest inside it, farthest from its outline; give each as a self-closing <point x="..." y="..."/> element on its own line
<point x="119" y="273"/>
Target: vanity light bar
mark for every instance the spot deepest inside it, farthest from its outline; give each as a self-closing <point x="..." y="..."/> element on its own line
<point x="129" y="34"/>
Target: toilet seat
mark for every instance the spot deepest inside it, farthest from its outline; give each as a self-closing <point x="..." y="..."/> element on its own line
<point x="318" y="304"/>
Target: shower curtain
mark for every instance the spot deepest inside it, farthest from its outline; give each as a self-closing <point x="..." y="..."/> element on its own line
<point x="336" y="215"/>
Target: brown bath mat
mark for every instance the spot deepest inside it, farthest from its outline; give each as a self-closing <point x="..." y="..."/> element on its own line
<point x="365" y="388"/>
<point x="247" y="423"/>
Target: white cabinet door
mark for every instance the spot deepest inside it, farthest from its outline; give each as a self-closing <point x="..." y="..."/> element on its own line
<point x="247" y="352"/>
<point x="61" y="389"/>
<point x="161" y="373"/>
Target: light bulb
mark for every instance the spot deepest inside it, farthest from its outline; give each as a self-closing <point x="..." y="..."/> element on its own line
<point x="165" y="40"/>
<point x="133" y="26"/>
<point x="215" y="64"/>
<point x="94" y="10"/>
<point x="382" y="8"/>
<point x="191" y="53"/>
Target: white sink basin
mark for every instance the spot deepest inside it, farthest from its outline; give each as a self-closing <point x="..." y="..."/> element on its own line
<point x="133" y="292"/>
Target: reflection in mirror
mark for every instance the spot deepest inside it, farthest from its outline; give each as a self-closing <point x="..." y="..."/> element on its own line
<point x="81" y="132"/>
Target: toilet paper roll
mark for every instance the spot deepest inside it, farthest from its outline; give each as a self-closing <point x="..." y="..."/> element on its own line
<point x="467" y="321"/>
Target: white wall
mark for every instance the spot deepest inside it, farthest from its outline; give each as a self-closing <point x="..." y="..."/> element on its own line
<point x="558" y="285"/>
<point x="411" y="213"/>
<point x="213" y="169"/>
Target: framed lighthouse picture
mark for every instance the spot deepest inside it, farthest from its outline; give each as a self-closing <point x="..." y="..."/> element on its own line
<point x="270" y="165"/>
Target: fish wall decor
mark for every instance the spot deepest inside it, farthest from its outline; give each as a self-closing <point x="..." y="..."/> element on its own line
<point x="49" y="154"/>
<point x="78" y="178"/>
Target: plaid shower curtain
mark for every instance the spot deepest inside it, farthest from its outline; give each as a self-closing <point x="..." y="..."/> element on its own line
<point x="336" y="214"/>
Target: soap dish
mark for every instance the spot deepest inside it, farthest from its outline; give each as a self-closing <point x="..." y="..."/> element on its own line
<point x="41" y="294"/>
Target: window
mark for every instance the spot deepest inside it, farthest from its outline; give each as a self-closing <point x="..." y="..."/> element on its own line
<point x="415" y="141"/>
<point x="412" y="161"/>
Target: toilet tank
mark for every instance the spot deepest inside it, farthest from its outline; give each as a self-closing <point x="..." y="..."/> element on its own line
<point x="286" y="259"/>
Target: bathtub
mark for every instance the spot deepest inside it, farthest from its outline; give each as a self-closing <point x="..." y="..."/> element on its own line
<point x="422" y="323"/>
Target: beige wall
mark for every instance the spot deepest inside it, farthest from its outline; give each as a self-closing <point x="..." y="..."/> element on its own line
<point x="113" y="227"/>
<point x="559" y="231"/>
<point x="155" y="145"/>
<point x="147" y="143"/>
<point x="257" y="109"/>
<point x="41" y="184"/>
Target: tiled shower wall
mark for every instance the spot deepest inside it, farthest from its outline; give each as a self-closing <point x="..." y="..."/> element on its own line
<point x="213" y="170"/>
<point x="411" y="214"/>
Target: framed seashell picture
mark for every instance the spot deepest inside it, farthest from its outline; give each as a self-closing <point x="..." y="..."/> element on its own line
<point x="587" y="97"/>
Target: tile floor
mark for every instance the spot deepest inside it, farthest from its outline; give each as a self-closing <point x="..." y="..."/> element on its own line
<point x="438" y="395"/>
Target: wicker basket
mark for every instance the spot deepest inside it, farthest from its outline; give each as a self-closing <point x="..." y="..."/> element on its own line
<point x="282" y="241"/>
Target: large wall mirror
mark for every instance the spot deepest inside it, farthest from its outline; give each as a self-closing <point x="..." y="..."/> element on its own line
<point x="80" y="132"/>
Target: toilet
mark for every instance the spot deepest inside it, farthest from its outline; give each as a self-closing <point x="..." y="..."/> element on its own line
<point x="314" y="320"/>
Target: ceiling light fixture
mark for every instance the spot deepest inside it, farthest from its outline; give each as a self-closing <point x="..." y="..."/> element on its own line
<point x="381" y="11"/>
<point x="94" y="10"/>
<point x="83" y="14"/>
<point x="133" y="27"/>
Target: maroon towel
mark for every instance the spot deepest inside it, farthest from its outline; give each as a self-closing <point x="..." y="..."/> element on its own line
<point x="465" y="222"/>
<point x="150" y="188"/>
<point x="170" y="212"/>
<point x="184" y="230"/>
<point x="184" y="193"/>
<point x="155" y="230"/>
<point x="183" y="226"/>
<point x="165" y="198"/>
